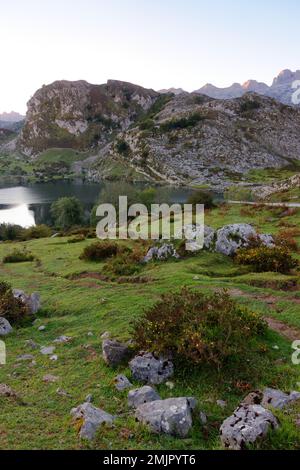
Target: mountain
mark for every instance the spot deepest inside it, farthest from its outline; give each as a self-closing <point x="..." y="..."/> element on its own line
<point x="11" y="117"/>
<point x="281" y="88"/>
<point x="81" y="115"/>
<point x="180" y="138"/>
<point x="175" y="91"/>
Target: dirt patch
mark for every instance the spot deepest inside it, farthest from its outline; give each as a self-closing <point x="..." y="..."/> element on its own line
<point x="88" y="275"/>
<point x="288" y="332"/>
<point x="288" y="285"/>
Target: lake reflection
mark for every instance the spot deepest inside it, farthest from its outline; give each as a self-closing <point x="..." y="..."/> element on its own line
<point x="30" y="205"/>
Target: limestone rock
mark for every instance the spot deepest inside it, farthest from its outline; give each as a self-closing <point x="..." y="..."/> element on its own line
<point x="32" y="301"/>
<point x="142" y="395"/>
<point x="122" y="383"/>
<point x="91" y="418"/>
<point x="114" y="352"/>
<point x="278" y="399"/>
<point x="150" y="369"/>
<point x="161" y="253"/>
<point x="5" y="327"/>
<point x="247" y="424"/>
<point x="232" y="237"/>
<point x="172" y="416"/>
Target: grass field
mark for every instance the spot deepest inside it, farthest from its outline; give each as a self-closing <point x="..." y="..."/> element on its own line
<point x="75" y="301"/>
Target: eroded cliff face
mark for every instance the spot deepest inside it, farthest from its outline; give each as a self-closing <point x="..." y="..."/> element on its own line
<point x="202" y="140"/>
<point x="80" y="115"/>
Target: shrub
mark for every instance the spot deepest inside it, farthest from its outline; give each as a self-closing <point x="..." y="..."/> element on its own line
<point x="265" y="259"/>
<point x="11" y="308"/>
<point x="125" y="264"/>
<point x="67" y="212"/>
<point x="38" y="231"/>
<point x="122" y="147"/>
<point x="249" y="105"/>
<point x="201" y="197"/>
<point x="18" y="256"/>
<point x="286" y="238"/>
<point x="196" y="328"/>
<point x="77" y="238"/>
<point x="100" y="251"/>
<point x="10" y="232"/>
<point x="181" y="123"/>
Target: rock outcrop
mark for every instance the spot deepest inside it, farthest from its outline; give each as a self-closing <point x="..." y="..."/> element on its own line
<point x="172" y="416"/>
<point x="150" y="369"/>
<point x="90" y="419"/>
<point x="142" y="395"/>
<point x="114" y="352"/>
<point x="5" y="327"/>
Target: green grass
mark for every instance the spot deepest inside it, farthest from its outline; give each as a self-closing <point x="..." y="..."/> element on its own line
<point x="74" y="306"/>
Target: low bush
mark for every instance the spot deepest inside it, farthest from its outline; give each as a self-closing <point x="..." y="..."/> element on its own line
<point x="195" y="328"/>
<point x="202" y="197"/>
<point x="182" y="123"/>
<point x="11" y="308"/>
<point x="10" y="232"/>
<point x="100" y="251"/>
<point x="77" y="238"/>
<point x="18" y="256"/>
<point x="286" y="238"/>
<point x="38" y="231"/>
<point x="265" y="259"/>
<point x="125" y="264"/>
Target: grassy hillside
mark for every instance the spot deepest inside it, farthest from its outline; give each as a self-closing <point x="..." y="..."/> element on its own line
<point x="77" y="302"/>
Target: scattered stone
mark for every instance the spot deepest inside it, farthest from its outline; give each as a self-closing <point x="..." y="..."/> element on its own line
<point x="105" y="335"/>
<point x="114" y="352"/>
<point x="232" y="237"/>
<point x="172" y="416"/>
<point x="247" y="424"/>
<point x="253" y="398"/>
<point x="42" y="328"/>
<point x="196" y="278"/>
<point x="54" y="357"/>
<point x="7" y="391"/>
<point x="33" y="301"/>
<point x="47" y="350"/>
<point x="221" y="403"/>
<point x="31" y="344"/>
<point x="142" y="395"/>
<point x="89" y="398"/>
<point x="90" y="333"/>
<point x="276" y="347"/>
<point x="5" y="327"/>
<point x="170" y="385"/>
<point x="147" y="368"/>
<point x="91" y="418"/>
<point x="203" y="417"/>
<point x="122" y="383"/>
<point x="25" y="357"/>
<point x="49" y="378"/>
<point x="63" y="393"/>
<point x="161" y="253"/>
<point x="278" y="399"/>
<point x="62" y="339"/>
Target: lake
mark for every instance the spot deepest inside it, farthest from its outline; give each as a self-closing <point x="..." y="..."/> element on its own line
<point x="30" y="204"/>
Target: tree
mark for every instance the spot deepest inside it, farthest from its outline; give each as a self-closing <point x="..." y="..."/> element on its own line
<point x="66" y="212"/>
<point x="202" y="197"/>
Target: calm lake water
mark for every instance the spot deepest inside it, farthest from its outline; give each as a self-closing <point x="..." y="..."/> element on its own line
<point x="30" y="204"/>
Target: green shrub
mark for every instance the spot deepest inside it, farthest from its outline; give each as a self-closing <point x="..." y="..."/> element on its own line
<point x="195" y="328"/>
<point x="249" y="105"/>
<point x="100" y="251"/>
<point x="67" y="212"/>
<point x="10" y="232"/>
<point x="77" y="238"/>
<point x="182" y="123"/>
<point x="122" y="147"/>
<point x="202" y="197"/>
<point x="125" y="264"/>
<point x="11" y="308"/>
<point x="267" y="259"/>
<point x="18" y="256"/>
<point x="38" y="231"/>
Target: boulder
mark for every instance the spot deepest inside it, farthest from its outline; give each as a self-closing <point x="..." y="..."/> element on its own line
<point x="247" y="424"/>
<point x="47" y="350"/>
<point x="114" y="352"/>
<point x="5" y="327"/>
<point x="232" y="237"/>
<point x="122" y="383"/>
<point x="193" y="231"/>
<point x="6" y="391"/>
<point x="172" y="416"/>
<point x="161" y="253"/>
<point x="91" y="419"/>
<point x="33" y="301"/>
<point x="142" y="395"/>
<point x="278" y="399"/>
<point x="150" y="369"/>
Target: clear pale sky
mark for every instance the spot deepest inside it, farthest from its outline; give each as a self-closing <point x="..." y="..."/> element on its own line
<point x="153" y="43"/>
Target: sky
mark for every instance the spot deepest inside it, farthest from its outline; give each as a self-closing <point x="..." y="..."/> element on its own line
<point x="153" y="43"/>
